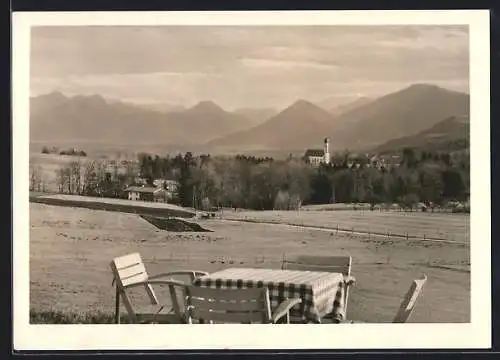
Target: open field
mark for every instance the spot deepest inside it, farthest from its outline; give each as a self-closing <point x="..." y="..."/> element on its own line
<point x="108" y="204"/>
<point x="335" y="206"/>
<point x="439" y="226"/>
<point x="70" y="251"/>
<point x="367" y="206"/>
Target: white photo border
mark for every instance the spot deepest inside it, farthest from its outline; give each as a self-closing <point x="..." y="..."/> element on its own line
<point x="473" y="335"/>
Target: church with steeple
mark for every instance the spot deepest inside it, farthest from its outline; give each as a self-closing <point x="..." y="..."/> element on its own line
<point x="318" y="156"/>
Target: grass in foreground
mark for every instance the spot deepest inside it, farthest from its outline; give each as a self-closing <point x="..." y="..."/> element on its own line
<point x="73" y="317"/>
<point x="70" y="251"/>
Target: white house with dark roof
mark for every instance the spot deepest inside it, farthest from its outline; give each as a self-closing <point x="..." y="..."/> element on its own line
<point x="144" y="193"/>
<point x="318" y="156"/>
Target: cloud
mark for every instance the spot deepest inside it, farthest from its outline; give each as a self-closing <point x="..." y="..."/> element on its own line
<point x="285" y="64"/>
<point x="245" y="66"/>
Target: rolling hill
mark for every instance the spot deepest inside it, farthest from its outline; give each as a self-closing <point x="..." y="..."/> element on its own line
<point x="450" y="134"/>
<point x="275" y="132"/>
<point x="399" y="114"/>
<point x="338" y="101"/>
<point x="343" y="108"/>
<point x="204" y="122"/>
<point x="162" y="107"/>
<point x="365" y="123"/>
<point x="55" y="118"/>
<point x="256" y="116"/>
<point x="361" y="124"/>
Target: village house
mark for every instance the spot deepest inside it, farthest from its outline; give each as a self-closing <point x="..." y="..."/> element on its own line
<point x="158" y="183"/>
<point x="140" y="181"/>
<point x="145" y="193"/>
<point x="170" y="187"/>
<point x="376" y="162"/>
<point x="318" y="156"/>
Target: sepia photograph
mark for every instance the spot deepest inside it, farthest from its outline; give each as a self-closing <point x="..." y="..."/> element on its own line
<point x="272" y="171"/>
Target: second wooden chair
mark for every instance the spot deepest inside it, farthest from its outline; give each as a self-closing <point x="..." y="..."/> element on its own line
<point x="338" y="264"/>
<point x="235" y="306"/>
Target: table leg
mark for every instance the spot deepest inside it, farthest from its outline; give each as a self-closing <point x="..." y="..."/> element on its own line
<point x="117" y="305"/>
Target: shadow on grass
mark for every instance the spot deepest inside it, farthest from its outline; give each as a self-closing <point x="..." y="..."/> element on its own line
<point x="174" y="224"/>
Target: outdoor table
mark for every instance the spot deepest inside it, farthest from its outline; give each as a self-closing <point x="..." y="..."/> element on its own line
<point x="322" y="293"/>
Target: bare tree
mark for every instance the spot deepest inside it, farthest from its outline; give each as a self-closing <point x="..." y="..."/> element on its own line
<point x="36" y="178"/>
<point x="40" y="183"/>
<point x="61" y="179"/>
<point x="89" y="177"/>
<point x="33" y="177"/>
<point x="75" y="175"/>
<point x="69" y="181"/>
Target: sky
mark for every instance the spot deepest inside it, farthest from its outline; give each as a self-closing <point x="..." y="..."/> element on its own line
<point x="251" y="66"/>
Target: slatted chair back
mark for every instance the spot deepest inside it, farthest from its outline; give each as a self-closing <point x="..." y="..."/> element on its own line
<point x="338" y="264"/>
<point x="228" y="305"/>
<point x="409" y="301"/>
<point x="128" y="270"/>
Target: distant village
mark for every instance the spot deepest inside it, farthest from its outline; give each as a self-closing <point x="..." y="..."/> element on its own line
<point x="410" y="178"/>
<point x="316" y="157"/>
<point x="165" y="190"/>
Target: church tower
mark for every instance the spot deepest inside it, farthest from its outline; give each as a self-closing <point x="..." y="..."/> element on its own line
<point x="327" y="151"/>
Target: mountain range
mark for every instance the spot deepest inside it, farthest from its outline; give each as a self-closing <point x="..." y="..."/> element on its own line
<point x="337" y="106"/>
<point x="93" y="119"/>
<point x="405" y="116"/>
<point x="275" y="133"/>
<point x="452" y="133"/>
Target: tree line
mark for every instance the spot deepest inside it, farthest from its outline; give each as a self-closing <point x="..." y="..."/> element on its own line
<point x="264" y="183"/>
<point x="70" y="152"/>
<point x="83" y="176"/>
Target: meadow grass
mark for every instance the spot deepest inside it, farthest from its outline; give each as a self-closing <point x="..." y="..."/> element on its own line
<point x="56" y="316"/>
<point x="71" y="248"/>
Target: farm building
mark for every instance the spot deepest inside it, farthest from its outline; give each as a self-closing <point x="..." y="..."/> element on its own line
<point x="317" y="156"/>
<point x="145" y="193"/>
<point x="158" y="183"/>
<point x="170" y="187"/>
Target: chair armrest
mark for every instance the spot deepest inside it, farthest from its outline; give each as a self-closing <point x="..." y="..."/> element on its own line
<point x="284" y="308"/>
<point x="161" y="282"/>
<point x="169" y="282"/>
<point x="171" y="289"/>
<point x="192" y="273"/>
<point x="349" y="280"/>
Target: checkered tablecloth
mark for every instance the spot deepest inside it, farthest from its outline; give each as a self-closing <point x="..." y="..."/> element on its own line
<point x="322" y="293"/>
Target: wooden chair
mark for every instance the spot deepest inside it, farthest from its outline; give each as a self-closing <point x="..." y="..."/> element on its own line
<point x="410" y="299"/>
<point x="337" y="264"/>
<point x="246" y="306"/>
<point x="129" y="272"/>
<point x="408" y="303"/>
